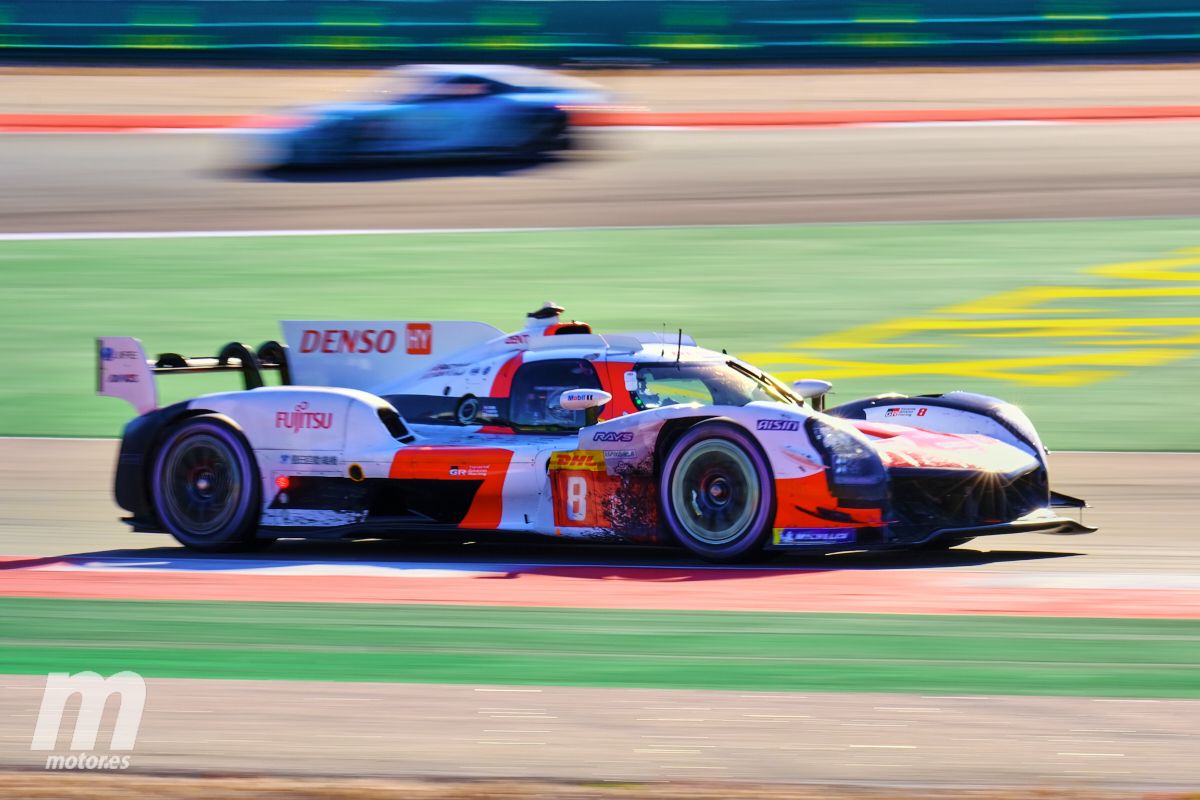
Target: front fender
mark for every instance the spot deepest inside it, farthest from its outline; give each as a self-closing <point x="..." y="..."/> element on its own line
<point x="777" y="427"/>
<point x="953" y="412"/>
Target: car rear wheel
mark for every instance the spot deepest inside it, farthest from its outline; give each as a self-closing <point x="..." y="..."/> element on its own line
<point x="205" y="486"/>
<point x="717" y="493"/>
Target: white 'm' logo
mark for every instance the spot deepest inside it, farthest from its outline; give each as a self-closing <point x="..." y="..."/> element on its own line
<point x="94" y="691"/>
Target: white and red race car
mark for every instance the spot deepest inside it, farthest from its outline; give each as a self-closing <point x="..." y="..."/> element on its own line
<point x="388" y="429"/>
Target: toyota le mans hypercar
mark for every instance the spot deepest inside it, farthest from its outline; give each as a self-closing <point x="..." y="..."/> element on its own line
<point x="388" y="429"/>
<point x="433" y="112"/>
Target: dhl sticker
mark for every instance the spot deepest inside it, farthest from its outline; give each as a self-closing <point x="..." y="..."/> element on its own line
<point x="588" y="460"/>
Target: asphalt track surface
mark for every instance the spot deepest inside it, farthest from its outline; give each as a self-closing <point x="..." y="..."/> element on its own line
<point x="172" y="182"/>
<point x="117" y="90"/>
<point x="473" y="731"/>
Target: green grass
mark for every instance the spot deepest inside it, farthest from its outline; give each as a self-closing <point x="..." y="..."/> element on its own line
<point x="584" y="647"/>
<point x="769" y="290"/>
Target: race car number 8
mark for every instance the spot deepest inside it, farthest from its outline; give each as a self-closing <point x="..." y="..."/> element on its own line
<point x="576" y="498"/>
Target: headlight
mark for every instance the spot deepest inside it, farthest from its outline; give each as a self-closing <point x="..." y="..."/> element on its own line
<point x="851" y="461"/>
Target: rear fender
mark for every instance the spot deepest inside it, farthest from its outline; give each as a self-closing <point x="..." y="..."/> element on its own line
<point x="300" y="430"/>
<point x="139" y="442"/>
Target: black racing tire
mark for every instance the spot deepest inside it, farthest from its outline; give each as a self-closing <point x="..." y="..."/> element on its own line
<point x="717" y="492"/>
<point x="206" y="487"/>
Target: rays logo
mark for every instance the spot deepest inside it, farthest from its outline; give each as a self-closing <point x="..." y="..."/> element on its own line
<point x="778" y="425"/>
<point x="613" y="436"/>
<point x="303" y="419"/>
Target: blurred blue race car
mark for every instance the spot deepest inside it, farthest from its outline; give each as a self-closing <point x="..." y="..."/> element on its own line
<point x="427" y="112"/>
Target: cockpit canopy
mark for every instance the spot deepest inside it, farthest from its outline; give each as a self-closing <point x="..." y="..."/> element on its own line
<point x="534" y="397"/>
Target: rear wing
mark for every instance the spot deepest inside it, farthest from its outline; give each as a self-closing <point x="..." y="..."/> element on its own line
<point x="123" y="371"/>
<point x="346" y="354"/>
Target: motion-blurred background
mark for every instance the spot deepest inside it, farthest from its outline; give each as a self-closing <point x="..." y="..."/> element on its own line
<point x="913" y="196"/>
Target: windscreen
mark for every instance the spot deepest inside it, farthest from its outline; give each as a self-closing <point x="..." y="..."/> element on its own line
<point x="707" y="383"/>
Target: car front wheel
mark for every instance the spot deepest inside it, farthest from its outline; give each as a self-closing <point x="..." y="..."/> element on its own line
<point x="717" y="492"/>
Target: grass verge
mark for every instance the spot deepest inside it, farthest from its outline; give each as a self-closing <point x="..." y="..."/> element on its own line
<point x="585" y="647"/>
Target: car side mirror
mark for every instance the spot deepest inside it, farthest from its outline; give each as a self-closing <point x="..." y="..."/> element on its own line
<point x="589" y="400"/>
<point x="583" y="399"/>
<point x="813" y="391"/>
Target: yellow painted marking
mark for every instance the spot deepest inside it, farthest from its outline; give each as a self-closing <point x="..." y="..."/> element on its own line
<point x="696" y="41"/>
<point x="1025" y="300"/>
<point x="1154" y="342"/>
<point x="882" y="39"/>
<point x="1010" y="369"/>
<point x="509" y="42"/>
<point x="1102" y="345"/>
<point x="1070" y="37"/>
<point x="1157" y="269"/>
<point x="349" y="42"/>
<point x="164" y="41"/>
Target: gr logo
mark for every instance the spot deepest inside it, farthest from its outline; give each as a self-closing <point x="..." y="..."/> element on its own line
<point x="94" y="691"/>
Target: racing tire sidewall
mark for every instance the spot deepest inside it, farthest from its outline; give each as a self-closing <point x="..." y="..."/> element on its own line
<point x="749" y="542"/>
<point x="237" y="531"/>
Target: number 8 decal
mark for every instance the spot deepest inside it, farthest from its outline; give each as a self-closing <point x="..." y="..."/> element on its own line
<point x="576" y="498"/>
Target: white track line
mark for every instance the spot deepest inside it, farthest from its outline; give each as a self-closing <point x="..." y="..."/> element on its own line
<point x="52" y="236"/>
